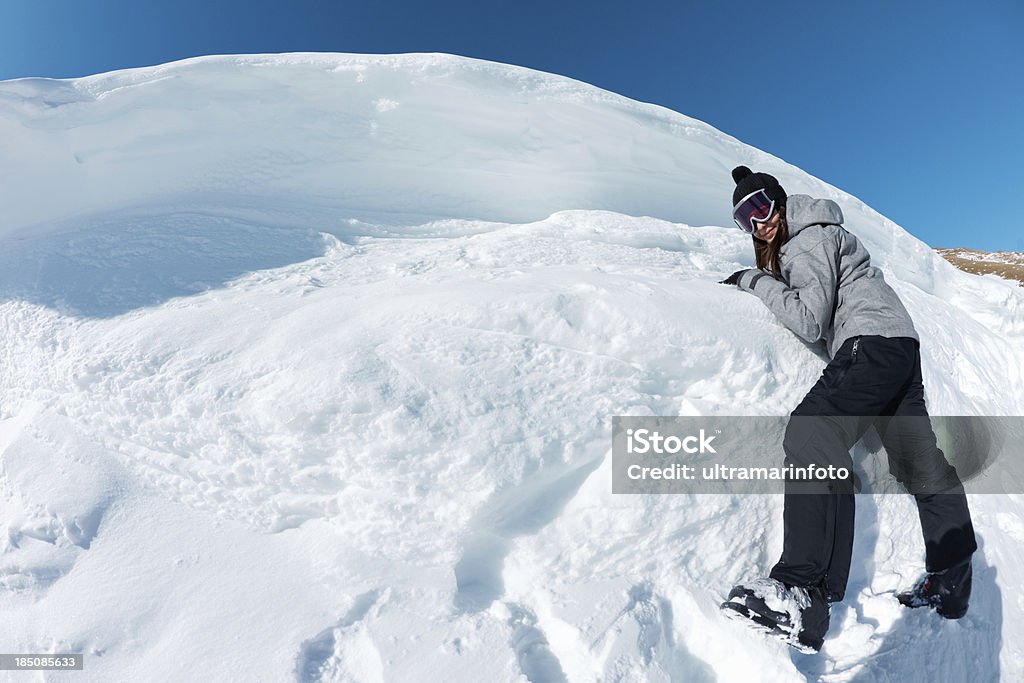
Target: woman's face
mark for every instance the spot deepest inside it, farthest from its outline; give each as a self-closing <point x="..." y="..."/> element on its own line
<point x="766" y="231"/>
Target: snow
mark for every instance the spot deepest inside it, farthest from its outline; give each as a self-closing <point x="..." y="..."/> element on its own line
<point x="309" y="368"/>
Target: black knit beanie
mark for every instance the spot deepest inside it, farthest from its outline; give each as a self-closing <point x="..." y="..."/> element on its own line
<point x="747" y="181"/>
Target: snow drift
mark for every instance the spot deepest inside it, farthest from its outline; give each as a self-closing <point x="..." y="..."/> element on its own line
<point x="310" y="361"/>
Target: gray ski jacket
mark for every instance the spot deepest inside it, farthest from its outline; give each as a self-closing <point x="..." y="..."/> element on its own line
<point x="829" y="289"/>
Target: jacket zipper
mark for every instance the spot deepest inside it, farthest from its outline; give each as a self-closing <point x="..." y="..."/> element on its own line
<point x="856" y="343"/>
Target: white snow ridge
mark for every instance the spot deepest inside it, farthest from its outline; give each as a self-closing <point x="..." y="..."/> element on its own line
<point x="308" y="369"/>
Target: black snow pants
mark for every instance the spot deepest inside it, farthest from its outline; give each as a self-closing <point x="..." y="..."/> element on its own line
<point x="871" y="381"/>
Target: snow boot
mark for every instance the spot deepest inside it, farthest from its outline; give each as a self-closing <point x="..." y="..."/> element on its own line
<point x="799" y="616"/>
<point x="947" y="591"/>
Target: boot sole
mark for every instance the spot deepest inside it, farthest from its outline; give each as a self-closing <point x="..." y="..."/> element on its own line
<point x="759" y="622"/>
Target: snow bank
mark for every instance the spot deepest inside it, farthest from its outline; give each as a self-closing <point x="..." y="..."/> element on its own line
<point x="310" y="363"/>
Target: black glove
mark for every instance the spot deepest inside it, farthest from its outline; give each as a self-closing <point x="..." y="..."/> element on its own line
<point x="734" y="279"/>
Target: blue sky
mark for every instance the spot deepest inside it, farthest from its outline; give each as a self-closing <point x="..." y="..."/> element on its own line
<point x="914" y="108"/>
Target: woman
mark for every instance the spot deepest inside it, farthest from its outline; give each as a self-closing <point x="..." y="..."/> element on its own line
<point x="817" y="279"/>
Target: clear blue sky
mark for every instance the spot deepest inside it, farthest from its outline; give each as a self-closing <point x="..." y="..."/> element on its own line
<point x="917" y="108"/>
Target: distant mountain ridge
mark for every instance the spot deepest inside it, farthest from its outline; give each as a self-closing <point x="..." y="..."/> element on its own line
<point x="1006" y="264"/>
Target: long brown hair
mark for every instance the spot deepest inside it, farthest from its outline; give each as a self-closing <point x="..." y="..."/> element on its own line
<point x="766" y="254"/>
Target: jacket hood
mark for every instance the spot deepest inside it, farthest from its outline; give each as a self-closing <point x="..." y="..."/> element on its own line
<point x="803" y="210"/>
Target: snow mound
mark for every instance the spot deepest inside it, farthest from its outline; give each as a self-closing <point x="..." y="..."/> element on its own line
<point x="310" y="363"/>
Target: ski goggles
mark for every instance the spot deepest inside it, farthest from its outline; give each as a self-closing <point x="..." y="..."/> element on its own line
<point x="756" y="207"/>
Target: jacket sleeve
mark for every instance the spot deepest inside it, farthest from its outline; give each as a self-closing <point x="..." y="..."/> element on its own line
<point x="807" y="303"/>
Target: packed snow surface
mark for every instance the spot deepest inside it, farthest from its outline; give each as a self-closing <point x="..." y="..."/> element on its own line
<point x="310" y="361"/>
